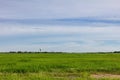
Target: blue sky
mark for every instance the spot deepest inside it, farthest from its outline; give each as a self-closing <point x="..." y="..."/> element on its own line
<point x="60" y="25"/>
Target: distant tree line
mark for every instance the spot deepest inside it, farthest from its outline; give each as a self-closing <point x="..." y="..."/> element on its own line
<point x="25" y="52"/>
<point x="116" y="52"/>
<point x="30" y="52"/>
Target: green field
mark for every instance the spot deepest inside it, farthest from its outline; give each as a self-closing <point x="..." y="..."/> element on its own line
<point x="58" y="66"/>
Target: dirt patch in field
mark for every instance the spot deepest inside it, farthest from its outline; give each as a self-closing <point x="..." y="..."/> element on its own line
<point x="111" y="76"/>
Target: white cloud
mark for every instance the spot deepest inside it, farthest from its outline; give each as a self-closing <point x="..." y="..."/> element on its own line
<point x="85" y="32"/>
<point x="59" y="9"/>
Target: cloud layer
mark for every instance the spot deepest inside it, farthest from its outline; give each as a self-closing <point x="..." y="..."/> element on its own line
<point x="44" y="9"/>
<point x="60" y="38"/>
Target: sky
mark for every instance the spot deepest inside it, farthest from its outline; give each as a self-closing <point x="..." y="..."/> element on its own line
<point x="60" y="25"/>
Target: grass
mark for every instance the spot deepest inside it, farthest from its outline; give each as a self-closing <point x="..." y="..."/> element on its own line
<point x="61" y="66"/>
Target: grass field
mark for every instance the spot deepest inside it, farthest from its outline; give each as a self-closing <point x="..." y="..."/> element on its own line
<point x="61" y="66"/>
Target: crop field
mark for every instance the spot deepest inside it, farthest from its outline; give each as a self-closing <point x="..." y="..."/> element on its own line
<point x="59" y="66"/>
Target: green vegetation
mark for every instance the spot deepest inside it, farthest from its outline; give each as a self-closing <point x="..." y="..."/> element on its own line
<point x="60" y="66"/>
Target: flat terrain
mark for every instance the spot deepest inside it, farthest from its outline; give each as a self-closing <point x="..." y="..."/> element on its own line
<point x="59" y="66"/>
